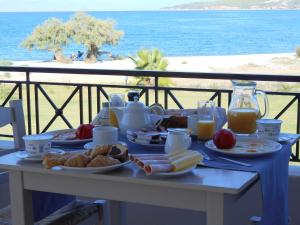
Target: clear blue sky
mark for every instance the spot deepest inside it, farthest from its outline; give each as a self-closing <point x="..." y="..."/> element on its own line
<point x="86" y="5"/>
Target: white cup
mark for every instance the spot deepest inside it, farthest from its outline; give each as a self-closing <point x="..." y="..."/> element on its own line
<point x="177" y="141"/>
<point x="105" y="135"/>
<point x="268" y="128"/>
<point x="192" y="123"/>
<point x="37" y="145"/>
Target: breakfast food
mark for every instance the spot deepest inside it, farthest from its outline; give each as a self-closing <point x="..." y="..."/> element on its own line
<point x="77" y="160"/>
<point x="172" y="122"/>
<point x="101" y="160"/>
<point x="224" y="139"/>
<point x="84" y="131"/>
<point x="50" y="160"/>
<point x="172" y="162"/>
<point x="100" y="156"/>
<point x="146" y="136"/>
<point x="64" y="135"/>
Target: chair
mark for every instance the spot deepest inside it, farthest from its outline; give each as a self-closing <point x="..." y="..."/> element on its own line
<point x="75" y="213"/>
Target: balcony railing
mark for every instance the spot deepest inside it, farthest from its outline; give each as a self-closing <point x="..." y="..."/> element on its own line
<point x="31" y="91"/>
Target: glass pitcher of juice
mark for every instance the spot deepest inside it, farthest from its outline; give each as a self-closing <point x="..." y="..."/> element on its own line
<point x="244" y="108"/>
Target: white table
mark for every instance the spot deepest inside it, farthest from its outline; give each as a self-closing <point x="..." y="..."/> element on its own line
<point x="205" y="189"/>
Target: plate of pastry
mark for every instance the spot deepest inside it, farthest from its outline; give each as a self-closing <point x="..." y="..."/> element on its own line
<point x="67" y="137"/>
<point x="98" y="160"/>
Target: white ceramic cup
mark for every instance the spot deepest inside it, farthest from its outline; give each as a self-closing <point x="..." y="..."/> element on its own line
<point x="268" y="128"/>
<point x="192" y="121"/>
<point x="37" y="145"/>
<point x="105" y="135"/>
<point x="177" y="141"/>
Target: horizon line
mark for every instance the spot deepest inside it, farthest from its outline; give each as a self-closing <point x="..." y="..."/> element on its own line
<point x="146" y="10"/>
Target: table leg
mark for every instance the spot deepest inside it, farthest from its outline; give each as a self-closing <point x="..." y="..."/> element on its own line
<point x="117" y="213"/>
<point x="21" y="200"/>
<point x="215" y="209"/>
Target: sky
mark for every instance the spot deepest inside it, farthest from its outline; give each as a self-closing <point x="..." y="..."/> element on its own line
<point x="85" y="5"/>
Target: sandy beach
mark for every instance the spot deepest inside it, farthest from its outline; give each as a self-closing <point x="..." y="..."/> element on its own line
<point x="284" y="63"/>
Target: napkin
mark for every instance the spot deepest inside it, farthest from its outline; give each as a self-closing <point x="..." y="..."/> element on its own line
<point x="273" y="173"/>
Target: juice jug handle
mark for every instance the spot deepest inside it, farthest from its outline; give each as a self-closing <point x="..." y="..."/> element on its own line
<point x="266" y="103"/>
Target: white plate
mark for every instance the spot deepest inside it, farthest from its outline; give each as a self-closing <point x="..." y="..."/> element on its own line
<point x="92" y="145"/>
<point x="177" y="173"/>
<point x="156" y="146"/>
<point x="102" y="169"/>
<point x="245" y="145"/>
<point x="25" y="156"/>
<point x="67" y="142"/>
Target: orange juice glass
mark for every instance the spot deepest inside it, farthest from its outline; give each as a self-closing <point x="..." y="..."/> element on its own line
<point x="206" y="122"/>
<point x="206" y="129"/>
<point x="113" y="120"/>
<point x="116" y="100"/>
<point x="242" y="120"/>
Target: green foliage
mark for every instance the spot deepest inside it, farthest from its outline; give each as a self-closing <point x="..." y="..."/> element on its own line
<point x="151" y="60"/>
<point x="51" y="36"/>
<point x="298" y="52"/>
<point x="93" y="33"/>
<point x="5" y="63"/>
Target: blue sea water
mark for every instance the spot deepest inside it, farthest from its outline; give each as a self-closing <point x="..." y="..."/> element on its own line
<point x="186" y="33"/>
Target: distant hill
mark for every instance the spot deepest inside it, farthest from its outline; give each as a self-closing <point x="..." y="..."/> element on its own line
<point x="238" y="4"/>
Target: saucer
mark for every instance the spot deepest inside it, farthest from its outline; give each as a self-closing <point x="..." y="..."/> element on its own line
<point x="92" y="145"/>
<point x="25" y="156"/>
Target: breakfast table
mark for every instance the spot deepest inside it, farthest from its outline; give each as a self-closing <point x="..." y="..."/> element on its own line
<point x="205" y="189"/>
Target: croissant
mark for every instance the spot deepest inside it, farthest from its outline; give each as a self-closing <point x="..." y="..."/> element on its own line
<point x="101" y="150"/>
<point x="78" y="160"/>
<point x="101" y="160"/>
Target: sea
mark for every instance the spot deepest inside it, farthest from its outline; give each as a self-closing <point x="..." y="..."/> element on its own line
<point x="176" y="33"/>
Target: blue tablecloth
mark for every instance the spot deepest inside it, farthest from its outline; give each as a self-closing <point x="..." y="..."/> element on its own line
<point x="45" y="203"/>
<point x="272" y="170"/>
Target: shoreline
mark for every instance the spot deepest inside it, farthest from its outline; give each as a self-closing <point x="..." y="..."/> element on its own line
<point x="178" y="63"/>
<point x="281" y="63"/>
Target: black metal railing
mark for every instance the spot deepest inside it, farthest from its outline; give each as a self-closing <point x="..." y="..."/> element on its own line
<point x="34" y="89"/>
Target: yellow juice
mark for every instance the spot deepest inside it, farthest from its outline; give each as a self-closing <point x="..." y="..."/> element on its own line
<point x="242" y="120"/>
<point x="113" y="121"/>
<point x="206" y="129"/>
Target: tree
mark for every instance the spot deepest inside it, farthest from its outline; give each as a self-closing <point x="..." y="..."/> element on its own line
<point x="93" y="33"/>
<point x="151" y="60"/>
<point x="52" y="36"/>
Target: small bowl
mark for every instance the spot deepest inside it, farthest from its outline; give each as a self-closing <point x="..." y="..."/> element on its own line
<point x="268" y="128"/>
<point x="37" y="145"/>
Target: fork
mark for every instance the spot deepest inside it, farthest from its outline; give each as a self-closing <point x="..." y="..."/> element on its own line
<point x="207" y="157"/>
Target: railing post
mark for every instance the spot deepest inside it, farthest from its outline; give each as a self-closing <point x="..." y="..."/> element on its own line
<point x="90" y="103"/>
<point x="147" y="97"/>
<point x="156" y="89"/>
<point x="298" y="126"/>
<point x="80" y="105"/>
<point x="28" y="102"/>
<point x="166" y="98"/>
<point x="37" y="111"/>
<point x="20" y="91"/>
<point x="98" y="99"/>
